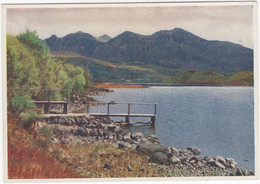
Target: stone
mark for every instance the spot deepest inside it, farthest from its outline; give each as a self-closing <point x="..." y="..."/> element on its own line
<point x="221" y="160"/>
<point x="159" y="157"/>
<point x="195" y="151"/>
<point x="119" y="137"/>
<point x="110" y="136"/>
<point x="211" y="162"/>
<point x="109" y="165"/>
<point x="39" y="124"/>
<point x="82" y="132"/>
<point x="111" y="128"/>
<point x="218" y="164"/>
<point x="100" y="133"/>
<point x="129" y="168"/>
<point x="93" y="132"/>
<point x="153" y="139"/>
<point x="123" y="145"/>
<point x="207" y="158"/>
<point x="239" y="172"/>
<point x="230" y="162"/>
<point x="149" y="148"/>
<point x="174" y="160"/>
<point x="175" y="150"/>
<point x="127" y="138"/>
<point x="136" y="136"/>
<point x="193" y="160"/>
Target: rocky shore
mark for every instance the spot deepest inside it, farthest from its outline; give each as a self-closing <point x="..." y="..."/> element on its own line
<point x="79" y="104"/>
<point x="172" y="161"/>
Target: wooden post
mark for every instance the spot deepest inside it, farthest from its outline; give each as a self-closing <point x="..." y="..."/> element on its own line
<point x="65" y="110"/>
<point x="153" y="121"/>
<point x="46" y="108"/>
<point x="155" y="109"/>
<point x="127" y="119"/>
<point x="108" y="108"/>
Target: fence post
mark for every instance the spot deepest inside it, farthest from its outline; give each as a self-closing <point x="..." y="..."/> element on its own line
<point x="127" y="119"/>
<point x="108" y="108"/>
<point x="155" y="109"/>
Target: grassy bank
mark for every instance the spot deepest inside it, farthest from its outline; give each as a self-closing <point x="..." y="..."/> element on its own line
<point x="31" y="155"/>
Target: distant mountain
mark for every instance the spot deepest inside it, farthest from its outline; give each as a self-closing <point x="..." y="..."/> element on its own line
<point x="177" y="49"/>
<point x="103" y="38"/>
<point x="81" y="43"/>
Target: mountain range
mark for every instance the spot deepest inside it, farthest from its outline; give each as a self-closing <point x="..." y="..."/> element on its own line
<point x="176" y="49"/>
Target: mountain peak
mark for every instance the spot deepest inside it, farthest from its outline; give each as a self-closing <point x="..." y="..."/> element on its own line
<point x="104" y="38"/>
<point x="80" y="35"/>
<point x="177" y="35"/>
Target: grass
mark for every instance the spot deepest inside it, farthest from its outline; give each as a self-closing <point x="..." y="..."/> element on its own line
<point x="89" y="160"/>
<point x="35" y="157"/>
<point x="243" y="78"/>
<point x="28" y="157"/>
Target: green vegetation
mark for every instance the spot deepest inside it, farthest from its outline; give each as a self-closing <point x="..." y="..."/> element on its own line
<point x="139" y="72"/>
<point x="243" y="78"/>
<point x="30" y="68"/>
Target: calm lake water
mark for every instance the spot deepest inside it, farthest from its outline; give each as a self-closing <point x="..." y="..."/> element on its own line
<point x="218" y="120"/>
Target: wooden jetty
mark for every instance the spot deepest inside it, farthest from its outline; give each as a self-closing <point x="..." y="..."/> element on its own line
<point x="128" y="114"/>
<point x="47" y="103"/>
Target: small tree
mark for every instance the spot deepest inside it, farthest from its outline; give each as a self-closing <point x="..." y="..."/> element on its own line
<point x="21" y="104"/>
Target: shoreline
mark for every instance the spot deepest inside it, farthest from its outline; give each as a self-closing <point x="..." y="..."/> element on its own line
<point x="173" y="85"/>
<point x="217" y="163"/>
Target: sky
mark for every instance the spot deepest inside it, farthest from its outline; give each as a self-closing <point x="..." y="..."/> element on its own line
<point x="232" y="23"/>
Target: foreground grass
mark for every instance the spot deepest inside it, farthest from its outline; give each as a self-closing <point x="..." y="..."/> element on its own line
<point x="35" y="157"/>
<point x="26" y="160"/>
<point x="89" y="160"/>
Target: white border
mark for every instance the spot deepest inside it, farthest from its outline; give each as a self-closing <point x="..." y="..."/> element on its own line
<point x="130" y="180"/>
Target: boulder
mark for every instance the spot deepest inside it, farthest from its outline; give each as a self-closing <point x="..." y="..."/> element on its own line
<point x="174" y="160"/>
<point x="119" y="137"/>
<point x="220" y="159"/>
<point x="159" y="157"/>
<point x="195" y="151"/>
<point x="123" y="145"/>
<point x="218" y="164"/>
<point x="127" y="138"/>
<point x="175" y="150"/>
<point x="149" y="148"/>
<point x="193" y="160"/>
<point x="136" y="136"/>
<point x="82" y="132"/>
<point x="111" y="128"/>
<point x="93" y="132"/>
<point x="230" y="162"/>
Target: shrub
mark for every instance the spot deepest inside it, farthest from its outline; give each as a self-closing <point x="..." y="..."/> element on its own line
<point x="21" y="104"/>
<point x="45" y="131"/>
<point x="28" y="117"/>
<point x="43" y="144"/>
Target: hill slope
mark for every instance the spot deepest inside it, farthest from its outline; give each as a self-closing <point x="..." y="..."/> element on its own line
<point x="176" y="49"/>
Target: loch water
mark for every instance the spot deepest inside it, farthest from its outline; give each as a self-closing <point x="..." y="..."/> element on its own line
<point x="217" y="120"/>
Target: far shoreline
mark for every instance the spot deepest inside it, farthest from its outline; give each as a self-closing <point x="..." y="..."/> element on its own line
<point x="145" y="85"/>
